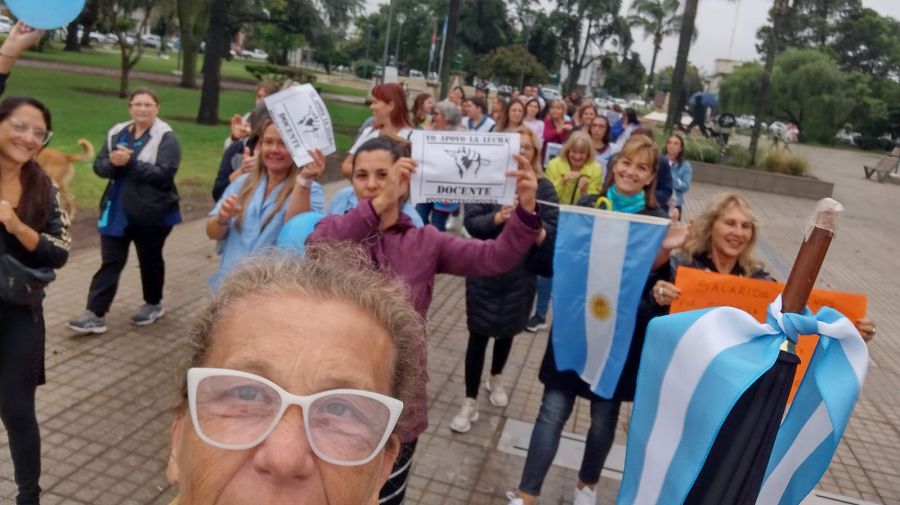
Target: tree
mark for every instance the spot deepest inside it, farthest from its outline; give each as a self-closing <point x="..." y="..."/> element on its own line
<point x="543" y="42"/>
<point x="193" y="21"/>
<point x="808" y="24"/>
<point x="777" y="14"/>
<point x="657" y="19"/>
<point x="72" y="42"/>
<point x="507" y="65"/>
<point x="122" y="17"/>
<point x="449" y="45"/>
<point x="811" y="91"/>
<point x="738" y="91"/>
<point x="681" y="62"/>
<point x="623" y="77"/>
<point x="484" y="26"/>
<point x="866" y="41"/>
<point x="310" y="18"/>
<point x="583" y="28"/>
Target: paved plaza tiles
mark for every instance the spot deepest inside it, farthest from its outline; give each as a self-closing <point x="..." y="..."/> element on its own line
<point x="106" y="409"/>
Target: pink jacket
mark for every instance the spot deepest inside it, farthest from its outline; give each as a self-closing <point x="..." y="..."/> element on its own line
<point x="418" y="254"/>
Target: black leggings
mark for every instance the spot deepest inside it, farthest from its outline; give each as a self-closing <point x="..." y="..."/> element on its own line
<point x="475" y="360"/>
<point x="149" y="242"/>
<point x="21" y="370"/>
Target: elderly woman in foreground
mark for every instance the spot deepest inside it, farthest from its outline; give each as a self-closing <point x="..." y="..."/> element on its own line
<point x="307" y="413"/>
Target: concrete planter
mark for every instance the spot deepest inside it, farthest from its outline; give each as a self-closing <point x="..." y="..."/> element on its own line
<point x="757" y="180"/>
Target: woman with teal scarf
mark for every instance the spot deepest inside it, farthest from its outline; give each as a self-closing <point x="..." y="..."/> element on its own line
<point x="629" y="187"/>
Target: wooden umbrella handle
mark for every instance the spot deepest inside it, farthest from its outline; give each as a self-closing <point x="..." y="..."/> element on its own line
<point x="810" y="256"/>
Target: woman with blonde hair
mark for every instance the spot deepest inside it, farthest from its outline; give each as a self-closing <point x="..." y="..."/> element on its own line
<point x="253" y="209"/>
<point x="723" y="239"/>
<point x="499" y="306"/>
<point x="575" y="173"/>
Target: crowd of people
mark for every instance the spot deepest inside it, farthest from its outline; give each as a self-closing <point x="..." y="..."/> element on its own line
<point x="339" y="330"/>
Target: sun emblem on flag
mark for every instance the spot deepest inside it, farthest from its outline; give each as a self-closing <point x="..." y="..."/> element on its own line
<point x="600" y="307"/>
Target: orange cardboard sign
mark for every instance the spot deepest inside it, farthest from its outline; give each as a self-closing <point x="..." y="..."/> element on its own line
<point x="702" y="290"/>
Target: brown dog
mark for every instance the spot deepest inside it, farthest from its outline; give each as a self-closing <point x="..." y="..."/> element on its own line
<point x="59" y="167"/>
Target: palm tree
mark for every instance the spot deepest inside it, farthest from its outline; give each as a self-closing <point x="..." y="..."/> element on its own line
<point x="681" y="60"/>
<point x="658" y="19"/>
<point x="779" y="11"/>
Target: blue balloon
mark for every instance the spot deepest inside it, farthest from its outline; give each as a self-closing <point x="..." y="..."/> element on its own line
<point x="294" y="233"/>
<point x="46" y="14"/>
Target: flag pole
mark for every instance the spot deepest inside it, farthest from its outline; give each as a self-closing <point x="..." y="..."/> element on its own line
<point x="810" y="257"/>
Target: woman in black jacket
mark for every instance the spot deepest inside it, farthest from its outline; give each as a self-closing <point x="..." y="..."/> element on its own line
<point x="140" y="158"/>
<point x="35" y="232"/>
<point x="499" y="306"/>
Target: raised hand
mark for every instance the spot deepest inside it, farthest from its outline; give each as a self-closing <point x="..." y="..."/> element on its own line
<point x="396" y="184"/>
<point x="526" y="184"/>
<point x="20" y="38"/>
<point x="502" y="215"/>
<point x="677" y="233"/>
<point x="239" y="127"/>
<point x="228" y="210"/>
<point x="312" y="170"/>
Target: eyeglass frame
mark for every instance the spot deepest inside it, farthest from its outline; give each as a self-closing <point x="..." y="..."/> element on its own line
<point x="196" y="375"/>
<point x="21" y="127"/>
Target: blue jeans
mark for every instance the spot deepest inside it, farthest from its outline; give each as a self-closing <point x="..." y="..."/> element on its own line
<point x="556" y="406"/>
<point x="544" y="288"/>
<point x="438" y="218"/>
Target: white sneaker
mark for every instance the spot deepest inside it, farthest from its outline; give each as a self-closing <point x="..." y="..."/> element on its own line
<point x="514" y="499"/>
<point x="498" y="397"/>
<point x="584" y="496"/>
<point x="468" y="414"/>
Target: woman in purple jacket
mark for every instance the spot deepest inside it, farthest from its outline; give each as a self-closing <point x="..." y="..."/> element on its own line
<point x="380" y="177"/>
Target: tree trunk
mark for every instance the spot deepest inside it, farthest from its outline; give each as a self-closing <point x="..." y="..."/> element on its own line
<point x="126" y="69"/>
<point x="192" y="19"/>
<point x="216" y="42"/>
<point x="72" y="37"/>
<point x="650" y="86"/>
<point x="681" y="61"/>
<point x="779" y="10"/>
<point x="449" y="46"/>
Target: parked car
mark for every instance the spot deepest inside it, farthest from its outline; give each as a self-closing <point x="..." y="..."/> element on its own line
<point x="151" y="40"/>
<point x="845" y="136"/>
<point x="416" y="74"/>
<point x="6" y="24"/>
<point x="550" y="94"/>
<point x="433" y="76"/>
<point x="777" y="127"/>
<point x="255" y="54"/>
<point x="745" y="121"/>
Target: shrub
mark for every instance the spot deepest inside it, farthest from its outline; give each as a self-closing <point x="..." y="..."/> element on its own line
<point x="871" y="143"/>
<point x="784" y="162"/>
<point x="737" y="156"/>
<point x="703" y="149"/>
<point x="364" y="69"/>
<point x="278" y="73"/>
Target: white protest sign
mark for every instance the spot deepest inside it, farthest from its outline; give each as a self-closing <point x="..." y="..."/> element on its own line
<point x="464" y="166"/>
<point x="303" y="121"/>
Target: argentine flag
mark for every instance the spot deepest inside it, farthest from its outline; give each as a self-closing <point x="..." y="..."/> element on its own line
<point x="702" y="362"/>
<point x="600" y="265"/>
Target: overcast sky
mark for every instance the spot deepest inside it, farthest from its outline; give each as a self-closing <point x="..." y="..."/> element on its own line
<point x="717" y="20"/>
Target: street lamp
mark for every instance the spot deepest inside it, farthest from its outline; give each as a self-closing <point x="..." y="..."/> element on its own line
<point x="528" y="19"/>
<point x="401" y="18"/>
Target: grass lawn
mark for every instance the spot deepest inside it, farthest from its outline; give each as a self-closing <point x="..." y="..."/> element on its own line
<point x="86" y="106"/>
<point x="106" y="56"/>
<point x="109" y="57"/>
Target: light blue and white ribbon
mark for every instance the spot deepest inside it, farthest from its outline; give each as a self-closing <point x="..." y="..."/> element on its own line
<point x="694" y="368"/>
